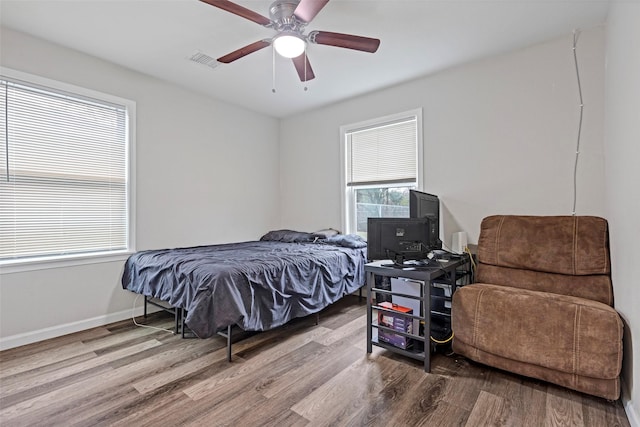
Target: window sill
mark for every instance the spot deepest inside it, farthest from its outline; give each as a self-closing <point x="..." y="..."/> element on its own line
<point x="18" y="266"/>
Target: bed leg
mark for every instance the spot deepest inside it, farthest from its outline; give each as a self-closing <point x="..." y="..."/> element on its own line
<point x="182" y="322"/>
<point x="229" y="343"/>
<point x="317" y="318"/>
<point x="145" y="306"/>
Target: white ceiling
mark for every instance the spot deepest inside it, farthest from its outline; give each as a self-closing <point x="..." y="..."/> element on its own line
<point x="418" y="37"/>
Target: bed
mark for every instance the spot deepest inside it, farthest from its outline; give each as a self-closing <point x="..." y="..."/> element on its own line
<point x="255" y="285"/>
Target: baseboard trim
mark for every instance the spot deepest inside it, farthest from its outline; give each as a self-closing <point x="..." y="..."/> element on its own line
<point x="629" y="409"/>
<point x="67" y="328"/>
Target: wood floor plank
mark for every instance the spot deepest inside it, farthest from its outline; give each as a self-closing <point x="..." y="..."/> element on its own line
<point x="265" y="358"/>
<point x="38" y="360"/>
<point x="524" y="399"/>
<point x="128" y="335"/>
<point x="342" y="331"/>
<point x="563" y="408"/>
<point x="27" y="376"/>
<point x="400" y="386"/>
<point x="487" y="411"/>
<point x="297" y="375"/>
<point x="286" y="418"/>
<point x="72" y="392"/>
<point x="54" y="378"/>
<point x="178" y="366"/>
<point x="224" y="414"/>
<point x="273" y="338"/>
<point x="420" y="401"/>
<point x="462" y="385"/>
<point x="598" y="412"/>
<point x="167" y="401"/>
<point x="141" y="411"/>
<point x="91" y="412"/>
<point x="337" y="315"/>
<point x="174" y="351"/>
<point x="269" y="412"/>
<point x="531" y="404"/>
<point x="246" y="379"/>
<point x="173" y="412"/>
<point x="301" y="380"/>
<point x="51" y="344"/>
<point x="335" y="398"/>
<point x="30" y="391"/>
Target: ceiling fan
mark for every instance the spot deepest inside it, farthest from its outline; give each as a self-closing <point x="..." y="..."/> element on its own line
<point x="289" y="18"/>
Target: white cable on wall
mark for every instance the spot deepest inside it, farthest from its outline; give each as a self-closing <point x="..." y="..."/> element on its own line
<point x="576" y="34"/>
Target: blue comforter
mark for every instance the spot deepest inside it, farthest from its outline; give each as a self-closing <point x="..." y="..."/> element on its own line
<point x="256" y="285"/>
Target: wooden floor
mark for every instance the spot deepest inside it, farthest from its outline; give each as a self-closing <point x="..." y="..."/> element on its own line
<point x="301" y="374"/>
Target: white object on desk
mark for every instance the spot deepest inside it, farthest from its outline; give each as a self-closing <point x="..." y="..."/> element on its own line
<point x="407" y="287"/>
<point x="459" y="242"/>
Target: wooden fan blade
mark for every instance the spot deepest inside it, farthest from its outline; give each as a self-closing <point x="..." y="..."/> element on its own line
<point x="243" y="51"/>
<point x="236" y="9"/>
<point x="300" y="62"/>
<point x="308" y="9"/>
<point x="348" y="41"/>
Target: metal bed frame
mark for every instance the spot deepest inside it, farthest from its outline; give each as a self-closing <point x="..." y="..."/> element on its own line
<point x="181" y="328"/>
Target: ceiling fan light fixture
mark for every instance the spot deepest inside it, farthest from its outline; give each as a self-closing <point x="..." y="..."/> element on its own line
<point x="289" y="45"/>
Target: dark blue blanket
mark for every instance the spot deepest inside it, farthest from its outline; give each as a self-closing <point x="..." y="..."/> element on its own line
<point x="255" y="285"/>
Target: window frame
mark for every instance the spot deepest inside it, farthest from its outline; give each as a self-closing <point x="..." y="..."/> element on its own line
<point x="347" y="198"/>
<point x="58" y="261"/>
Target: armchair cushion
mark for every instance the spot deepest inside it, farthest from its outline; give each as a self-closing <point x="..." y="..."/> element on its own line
<point x="572" y="245"/>
<point x="564" y="333"/>
<point x="597" y="287"/>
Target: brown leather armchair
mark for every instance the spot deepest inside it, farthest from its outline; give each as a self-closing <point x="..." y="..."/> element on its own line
<point x="542" y="304"/>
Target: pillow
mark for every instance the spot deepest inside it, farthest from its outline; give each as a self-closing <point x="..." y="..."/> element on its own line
<point x="288" y="236"/>
<point x="326" y="233"/>
<point x="348" y="241"/>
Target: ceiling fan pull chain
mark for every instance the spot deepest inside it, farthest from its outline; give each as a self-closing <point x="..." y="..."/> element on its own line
<point x="305" y="67"/>
<point x="273" y="69"/>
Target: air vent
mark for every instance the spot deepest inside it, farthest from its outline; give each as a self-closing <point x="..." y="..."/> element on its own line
<point x="204" y="59"/>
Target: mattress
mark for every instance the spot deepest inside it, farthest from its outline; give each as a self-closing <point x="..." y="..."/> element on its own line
<point x="256" y="285"/>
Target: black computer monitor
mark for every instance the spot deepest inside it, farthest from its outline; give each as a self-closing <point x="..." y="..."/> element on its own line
<point x="398" y="239"/>
<point x="425" y="205"/>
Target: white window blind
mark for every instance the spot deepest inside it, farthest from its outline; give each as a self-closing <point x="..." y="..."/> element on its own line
<point x="383" y="154"/>
<point x="63" y="173"/>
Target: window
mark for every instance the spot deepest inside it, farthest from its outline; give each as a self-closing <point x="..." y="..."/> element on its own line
<point x="382" y="162"/>
<point x="64" y="172"/>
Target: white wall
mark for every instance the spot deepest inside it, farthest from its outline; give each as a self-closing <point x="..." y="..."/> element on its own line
<point x="207" y="172"/>
<point x="499" y="138"/>
<point x="622" y="175"/>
